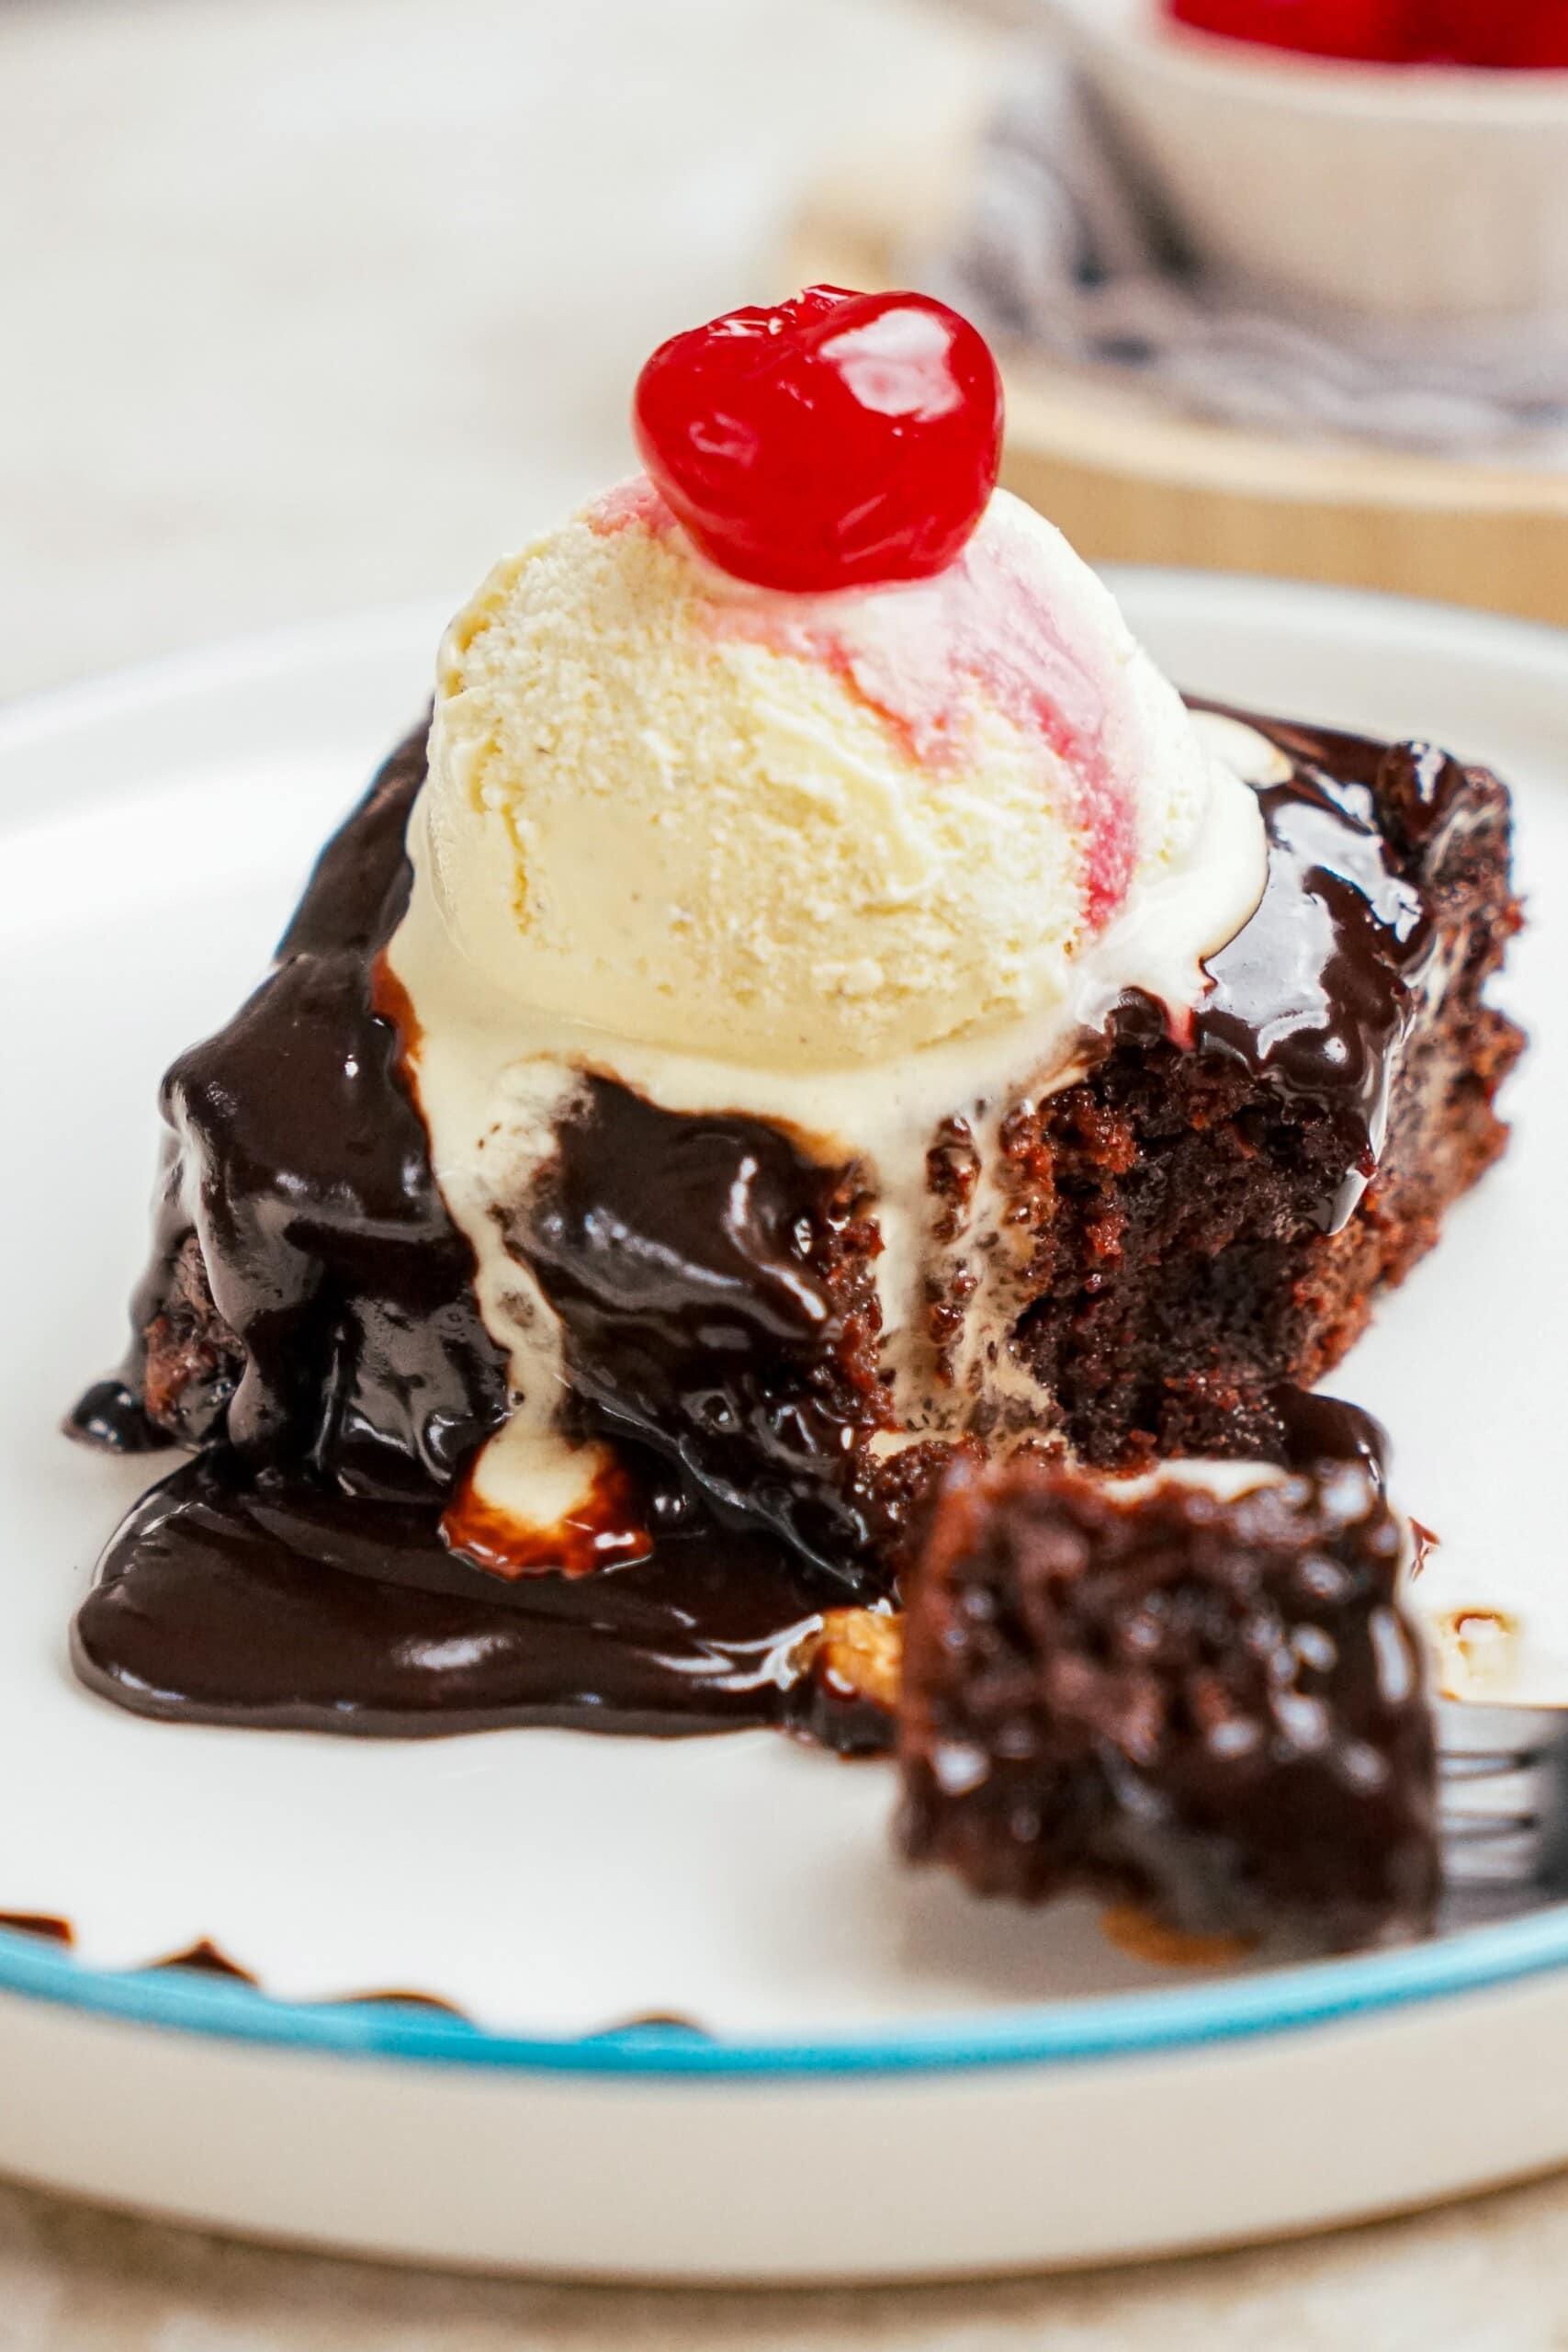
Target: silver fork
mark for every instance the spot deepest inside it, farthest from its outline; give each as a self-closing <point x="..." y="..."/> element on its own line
<point x="1503" y="1805"/>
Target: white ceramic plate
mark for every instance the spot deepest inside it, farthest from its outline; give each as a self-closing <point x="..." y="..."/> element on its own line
<point x="897" y="2081"/>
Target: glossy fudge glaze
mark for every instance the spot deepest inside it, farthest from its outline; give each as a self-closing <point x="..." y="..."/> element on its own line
<point x="1125" y="1261"/>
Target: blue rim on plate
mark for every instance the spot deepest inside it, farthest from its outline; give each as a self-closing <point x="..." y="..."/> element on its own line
<point x="1055" y="2033"/>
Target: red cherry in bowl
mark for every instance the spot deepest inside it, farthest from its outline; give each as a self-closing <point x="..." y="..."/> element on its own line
<point x="1515" y="33"/>
<point x="1371" y="31"/>
<point x="835" y="441"/>
<point x="1539" y="36"/>
<point x="1508" y="33"/>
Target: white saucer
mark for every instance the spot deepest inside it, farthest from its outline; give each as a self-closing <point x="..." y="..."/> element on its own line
<point x="898" y="2081"/>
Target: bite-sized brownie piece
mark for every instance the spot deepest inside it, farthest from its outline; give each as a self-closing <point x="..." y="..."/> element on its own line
<point x="1214" y="1707"/>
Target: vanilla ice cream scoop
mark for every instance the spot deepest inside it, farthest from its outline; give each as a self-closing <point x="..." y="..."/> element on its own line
<point x="808" y="832"/>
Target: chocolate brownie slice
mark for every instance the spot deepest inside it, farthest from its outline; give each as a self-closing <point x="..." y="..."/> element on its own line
<point x="1197" y="1216"/>
<point x="1125" y="1265"/>
<point x="1213" y="1706"/>
<point x="1202" y="1216"/>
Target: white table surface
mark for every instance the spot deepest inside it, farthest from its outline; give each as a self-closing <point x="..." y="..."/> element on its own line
<point x="307" y="304"/>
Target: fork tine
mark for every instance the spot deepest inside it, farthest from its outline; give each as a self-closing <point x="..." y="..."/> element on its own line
<point x="1503" y="1797"/>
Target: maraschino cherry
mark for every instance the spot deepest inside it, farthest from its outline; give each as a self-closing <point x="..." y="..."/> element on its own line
<point x="1508" y="33"/>
<point x="1374" y="32"/>
<point x="836" y="441"/>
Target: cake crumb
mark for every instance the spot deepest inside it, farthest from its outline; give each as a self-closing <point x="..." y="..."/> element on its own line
<point x="1143" y="1936"/>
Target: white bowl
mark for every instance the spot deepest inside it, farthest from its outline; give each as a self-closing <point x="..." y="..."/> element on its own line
<point x="1412" y="192"/>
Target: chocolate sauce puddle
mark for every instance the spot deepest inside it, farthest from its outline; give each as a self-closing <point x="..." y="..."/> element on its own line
<point x="223" y="1599"/>
<point x="316" y="1302"/>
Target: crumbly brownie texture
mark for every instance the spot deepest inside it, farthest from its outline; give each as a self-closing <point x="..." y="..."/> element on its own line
<point x="194" y="1362"/>
<point x="1195" y="1222"/>
<point x="1215" y="1709"/>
